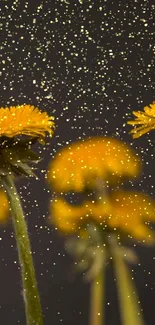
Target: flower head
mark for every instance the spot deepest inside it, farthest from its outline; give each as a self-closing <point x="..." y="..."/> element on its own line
<point x="25" y="120"/>
<point x="82" y="162"/>
<point x="125" y="213"/>
<point x="145" y="121"/>
<point x="20" y="127"/>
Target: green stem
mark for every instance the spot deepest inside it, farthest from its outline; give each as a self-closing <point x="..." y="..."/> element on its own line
<point x="97" y="303"/>
<point x="128" y="299"/>
<point x="30" y="291"/>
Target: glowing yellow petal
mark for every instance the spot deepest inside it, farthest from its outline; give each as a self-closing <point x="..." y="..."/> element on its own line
<point x="137" y="122"/>
<point x="150" y="111"/>
<point x="138" y="132"/>
<point x="139" y="114"/>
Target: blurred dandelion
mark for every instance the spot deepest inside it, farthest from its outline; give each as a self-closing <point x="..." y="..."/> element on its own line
<point x="144" y="121"/>
<point x="80" y="164"/>
<point x="125" y="213"/>
<point x="99" y="228"/>
<point x="21" y="127"/>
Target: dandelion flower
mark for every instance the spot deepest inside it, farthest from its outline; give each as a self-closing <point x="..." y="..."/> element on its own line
<point x="20" y="127"/>
<point x="128" y="213"/>
<point x="82" y="162"/>
<point x="25" y="120"/>
<point x="144" y="121"/>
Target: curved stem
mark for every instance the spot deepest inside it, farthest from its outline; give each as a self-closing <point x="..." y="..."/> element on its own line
<point x="128" y="299"/>
<point x="30" y="291"/>
<point x="97" y="302"/>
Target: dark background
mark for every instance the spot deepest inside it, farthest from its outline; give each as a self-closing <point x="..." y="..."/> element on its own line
<point x="88" y="63"/>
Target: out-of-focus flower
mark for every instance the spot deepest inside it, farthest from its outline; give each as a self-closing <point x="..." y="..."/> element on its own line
<point x="26" y="120"/>
<point x="98" y="227"/>
<point x="126" y="213"/>
<point x="4" y="207"/>
<point x="106" y="217"/>
<point x="83" y="162"/>
<point x="20" y="127"/>
<point x="144" y="121"/>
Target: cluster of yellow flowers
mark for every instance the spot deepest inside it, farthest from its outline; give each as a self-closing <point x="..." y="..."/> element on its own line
<point x="95" y="162"/>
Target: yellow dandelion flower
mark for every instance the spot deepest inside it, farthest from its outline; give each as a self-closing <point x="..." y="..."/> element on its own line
<point x="17" y="122"/>
<point x="145" y="121"/>
<point x="4" y="207"/>
<point x="25" y="120"/>
<point x="20" y="127"/>
<point x="127" y="212"/>
<point x="84" y="161"/>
